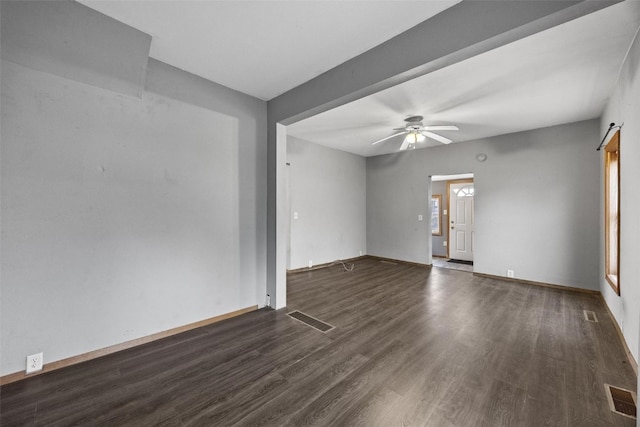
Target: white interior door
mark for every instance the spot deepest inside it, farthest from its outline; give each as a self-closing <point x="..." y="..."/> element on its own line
<point x="461" y="220"/>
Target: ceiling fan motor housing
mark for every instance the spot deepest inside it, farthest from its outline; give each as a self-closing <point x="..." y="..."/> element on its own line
<point x="414" y="123"/>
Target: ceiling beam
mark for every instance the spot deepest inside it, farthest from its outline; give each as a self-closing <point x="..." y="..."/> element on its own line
<point x="71" y="40"/>
<point x="461" y="32"/>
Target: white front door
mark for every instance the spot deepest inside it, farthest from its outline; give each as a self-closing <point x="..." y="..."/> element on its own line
<point x="461" y="196"/>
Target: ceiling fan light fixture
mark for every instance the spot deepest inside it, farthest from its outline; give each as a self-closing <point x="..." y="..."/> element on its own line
<point x="415" y="131"/>
<point x="414" y="138"/>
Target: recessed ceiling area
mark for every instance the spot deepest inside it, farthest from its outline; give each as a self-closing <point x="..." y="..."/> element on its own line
<point x="264" y="48"/>
<point x="561" y="75"/>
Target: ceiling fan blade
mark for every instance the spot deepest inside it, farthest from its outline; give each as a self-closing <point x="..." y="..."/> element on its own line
<point x="405" y="145"/>
<point x="391" y="136"/>
<point x="437" y="137"/>
<point x="441" y="128"/>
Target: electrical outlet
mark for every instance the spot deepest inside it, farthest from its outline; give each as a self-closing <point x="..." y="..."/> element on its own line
<point x="509" y="273"/>
<point x="310" y="263"/>
<point x="444" y="243"/>
<point x="34" y="363"/>
<point x="360" y="253"/>
<point x="419" y="217"/>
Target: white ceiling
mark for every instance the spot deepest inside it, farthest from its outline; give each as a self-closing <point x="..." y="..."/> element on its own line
<point x="561" y="75"/>
<point x="264" y="48"/>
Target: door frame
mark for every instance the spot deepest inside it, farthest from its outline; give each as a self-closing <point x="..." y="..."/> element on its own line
<point x="455" y="181"/>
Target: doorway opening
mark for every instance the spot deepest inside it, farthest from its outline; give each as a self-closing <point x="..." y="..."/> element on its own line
<point x="453" y="246"/>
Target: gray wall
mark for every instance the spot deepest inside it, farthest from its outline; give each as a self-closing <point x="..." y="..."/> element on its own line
<point x="123" y="216"/>
<point x="624" y="107"/>
<point x="536" y="203"/>
<point x="327" y="190"/>
<point x="437" y="247"/>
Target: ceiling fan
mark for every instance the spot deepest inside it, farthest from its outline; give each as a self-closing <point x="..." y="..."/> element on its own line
<point x="416" y="132"/>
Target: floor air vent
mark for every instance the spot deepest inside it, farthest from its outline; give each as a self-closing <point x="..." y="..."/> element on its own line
<point x="621" y="401"/>
<point x="311" y="321"/>
<point x="590" y="316"/>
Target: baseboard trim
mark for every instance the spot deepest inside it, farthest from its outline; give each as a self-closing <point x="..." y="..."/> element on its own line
<point x="325" y="265"/>
<point x="632" y="360"/>
<point x="397" y="261"/>
<point x="378" y="258"/>
<point x="546" y="285"/>
<point x="73" y="360"/>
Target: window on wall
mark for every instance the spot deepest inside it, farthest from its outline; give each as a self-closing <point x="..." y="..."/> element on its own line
<point x="466" y="191"/>
<point x="612" y="211"/>
<point x="436" y="215"/>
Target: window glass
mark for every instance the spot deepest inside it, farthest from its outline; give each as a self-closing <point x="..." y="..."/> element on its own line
<point x="612" y="211"/>
<point x="436" y="215"/>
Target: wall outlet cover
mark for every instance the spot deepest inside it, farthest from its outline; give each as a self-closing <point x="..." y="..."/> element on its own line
<point x="509" y="273"/>
<point x="34" y="363"/>
<point x="444" y="243"/>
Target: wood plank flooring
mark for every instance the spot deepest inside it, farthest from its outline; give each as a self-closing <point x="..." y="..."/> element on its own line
<point x="411" y="347"/>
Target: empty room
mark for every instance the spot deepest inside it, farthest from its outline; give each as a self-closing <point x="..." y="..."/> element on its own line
<point x="376" y="213"/>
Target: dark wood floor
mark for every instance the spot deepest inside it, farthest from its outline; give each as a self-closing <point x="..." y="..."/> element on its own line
<point x="412" y="346"/>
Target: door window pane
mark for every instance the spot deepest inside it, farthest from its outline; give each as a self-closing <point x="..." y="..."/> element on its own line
<point x="436" y="215"/>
